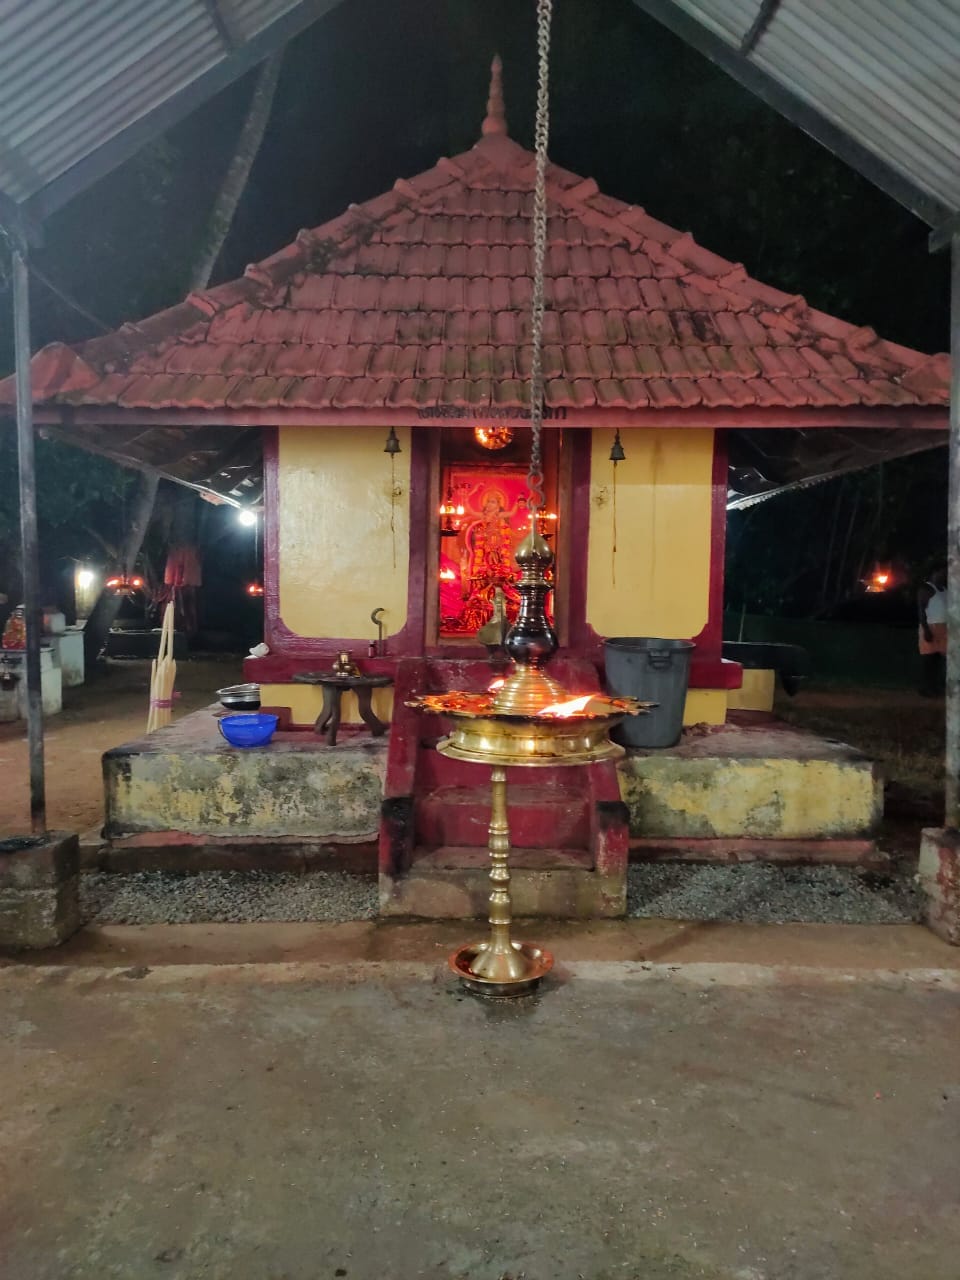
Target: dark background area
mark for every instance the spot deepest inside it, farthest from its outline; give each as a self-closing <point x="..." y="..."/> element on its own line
<point x="380" y="89"/>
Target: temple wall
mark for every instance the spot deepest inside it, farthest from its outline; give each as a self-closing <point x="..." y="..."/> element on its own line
<point x="336" y="551"/>
<point x="662" y="571"/>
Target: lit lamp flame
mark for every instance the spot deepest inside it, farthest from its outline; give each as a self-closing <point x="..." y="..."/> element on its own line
<point x="254" y="588"/>
<point x="547" y="523"/>
<point x="493" y="437"/>
<point x="123" y="585"/>
<point x="448" y="575"/>
<point x="453" y="513"/>
<point x="563" y="709"/>
<point x="879" y="581"/>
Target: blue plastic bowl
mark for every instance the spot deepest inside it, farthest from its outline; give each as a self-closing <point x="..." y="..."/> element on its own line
<point x="254" y="730"/>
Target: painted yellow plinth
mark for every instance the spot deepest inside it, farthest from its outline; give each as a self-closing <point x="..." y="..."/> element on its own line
<point x="339" y="558"/>
<point x="705" y="706"/>
<point x="756" y="693"/>
<point x="658" y="582"/>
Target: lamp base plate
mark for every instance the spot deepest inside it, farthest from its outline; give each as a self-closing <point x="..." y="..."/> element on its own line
<point x="538" y="963"/>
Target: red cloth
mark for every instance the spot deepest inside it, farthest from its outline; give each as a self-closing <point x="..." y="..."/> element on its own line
<point x="183" y="567"/>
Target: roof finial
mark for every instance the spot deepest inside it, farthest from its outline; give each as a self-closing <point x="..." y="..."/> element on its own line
<point x="496" y="118"/>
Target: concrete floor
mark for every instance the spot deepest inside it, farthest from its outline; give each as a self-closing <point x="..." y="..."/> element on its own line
<point x="298" y="1102"/>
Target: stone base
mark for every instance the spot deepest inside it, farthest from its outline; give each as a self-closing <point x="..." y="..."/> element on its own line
<point x="186" y="779"/>
<point x="939" y="873"/>
<point x="753" y="782"/>
<point x="463" y="893"/>
<point x="859" y="853"/>
<point x="39" y="903"/>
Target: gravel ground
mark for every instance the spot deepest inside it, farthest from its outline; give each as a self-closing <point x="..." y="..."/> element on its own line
<point x="755" y="893"/>
<point x="226" y="897"/>
<point x="750" y="892"/>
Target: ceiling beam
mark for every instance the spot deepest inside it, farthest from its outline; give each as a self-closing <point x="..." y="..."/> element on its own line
<point x="796" y="110"/>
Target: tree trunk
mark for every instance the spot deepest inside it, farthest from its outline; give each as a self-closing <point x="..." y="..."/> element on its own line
<point x="238" y="171"/>
<point x="108" y="604"/>
<point x="218" y="225"/>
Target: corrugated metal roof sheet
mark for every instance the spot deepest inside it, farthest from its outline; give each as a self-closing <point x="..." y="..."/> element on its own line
<point x="81" y="77"/>
<point x="883" y="72"/>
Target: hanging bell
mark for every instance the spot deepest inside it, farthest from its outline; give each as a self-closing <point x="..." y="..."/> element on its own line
<point x="393" y="444"/>
<point x="616" y="452"/>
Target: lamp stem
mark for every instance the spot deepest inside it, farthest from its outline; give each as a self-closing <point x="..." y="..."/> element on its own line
<point x="501" y="907"/>
<point x="499" y="960"/>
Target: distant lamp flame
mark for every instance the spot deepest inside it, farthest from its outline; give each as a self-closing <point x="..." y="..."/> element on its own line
<point x="448" y="575"/>
<point x="124" y="584"/>
<point x="254" y="588"/>
<point x="452" y="513"/>
<point x="879" y="581"/>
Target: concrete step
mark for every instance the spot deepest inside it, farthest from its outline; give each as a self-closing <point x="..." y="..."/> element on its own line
<point x="541" y="817"/>
<point x="477" y="857"/>
<point x="461" y="893"/>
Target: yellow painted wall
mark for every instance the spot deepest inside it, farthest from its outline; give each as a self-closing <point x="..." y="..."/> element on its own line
<point x="756" y="693"/>
<point x="306" y="702"/>
<point x="662" y="565"/>
<point x="337" y="560"/>
<point x="705" y="706"/>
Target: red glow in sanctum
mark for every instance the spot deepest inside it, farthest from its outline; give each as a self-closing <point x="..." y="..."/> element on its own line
<point x="255" y="589"/>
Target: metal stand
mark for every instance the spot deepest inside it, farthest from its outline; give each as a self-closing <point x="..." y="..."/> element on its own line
<point x="500" y="966"/>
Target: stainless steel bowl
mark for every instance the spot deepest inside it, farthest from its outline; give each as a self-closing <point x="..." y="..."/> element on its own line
<point x="240" y="697"/>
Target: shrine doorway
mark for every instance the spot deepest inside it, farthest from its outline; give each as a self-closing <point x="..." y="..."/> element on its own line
<point x="482" y="515"/>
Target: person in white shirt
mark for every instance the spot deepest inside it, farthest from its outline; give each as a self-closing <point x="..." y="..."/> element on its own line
<point x="932" y="633"/>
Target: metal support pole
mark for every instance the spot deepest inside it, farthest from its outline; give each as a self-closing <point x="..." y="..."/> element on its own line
<point x="29" y="546"/>
<point x="952" y="761"/>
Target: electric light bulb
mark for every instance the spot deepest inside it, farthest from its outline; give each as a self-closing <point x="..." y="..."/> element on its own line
<point x="247" y="518"/>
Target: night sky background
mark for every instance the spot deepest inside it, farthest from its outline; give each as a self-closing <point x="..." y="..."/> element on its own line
<point x="379" y="89"/>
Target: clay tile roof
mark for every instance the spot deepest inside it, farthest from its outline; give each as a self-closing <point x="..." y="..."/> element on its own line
<point x="419" y="298"/>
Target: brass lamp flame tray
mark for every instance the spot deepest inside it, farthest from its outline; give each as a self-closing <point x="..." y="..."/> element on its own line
<point x="483" y="734"/>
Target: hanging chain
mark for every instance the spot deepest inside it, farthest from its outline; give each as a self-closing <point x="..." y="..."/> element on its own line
<point x="537" y="499"/>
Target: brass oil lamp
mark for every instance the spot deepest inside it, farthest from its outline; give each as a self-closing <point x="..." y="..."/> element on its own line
<point x="531" y="721"/>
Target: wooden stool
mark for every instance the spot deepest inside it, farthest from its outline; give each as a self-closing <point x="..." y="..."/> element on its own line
<point x="333" y="686"/>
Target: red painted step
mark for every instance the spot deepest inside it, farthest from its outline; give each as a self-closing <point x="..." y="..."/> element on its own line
<point x="477" y="857"/>
<point x="540" y="817"/>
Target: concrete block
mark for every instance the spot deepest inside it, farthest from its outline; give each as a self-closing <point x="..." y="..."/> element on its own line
<point x="939" y="872"/>
<point x="464" y="894"/>
<point x="187" y="779"/>
<point x="770" y="782"/>
<point x="68" y="655"/>
<point x="39" y="862"/>
<point x="13" y="702"/>
<point x="39" y="902"/>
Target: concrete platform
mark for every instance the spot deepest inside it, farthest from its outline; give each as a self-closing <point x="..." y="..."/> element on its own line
<point x="184" y="785"/>
<point x="333" y="1106"/>
<point x="183" y="799"/>
<point x="752" y="789"/>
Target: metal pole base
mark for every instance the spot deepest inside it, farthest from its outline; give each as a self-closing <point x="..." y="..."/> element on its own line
<point x="529" y="965"/>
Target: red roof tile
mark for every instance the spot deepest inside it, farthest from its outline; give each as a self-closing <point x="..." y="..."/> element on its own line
<point x="420" y="297"/>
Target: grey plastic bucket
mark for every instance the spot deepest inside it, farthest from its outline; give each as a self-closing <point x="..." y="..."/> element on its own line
<point x="652" y="670"/>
